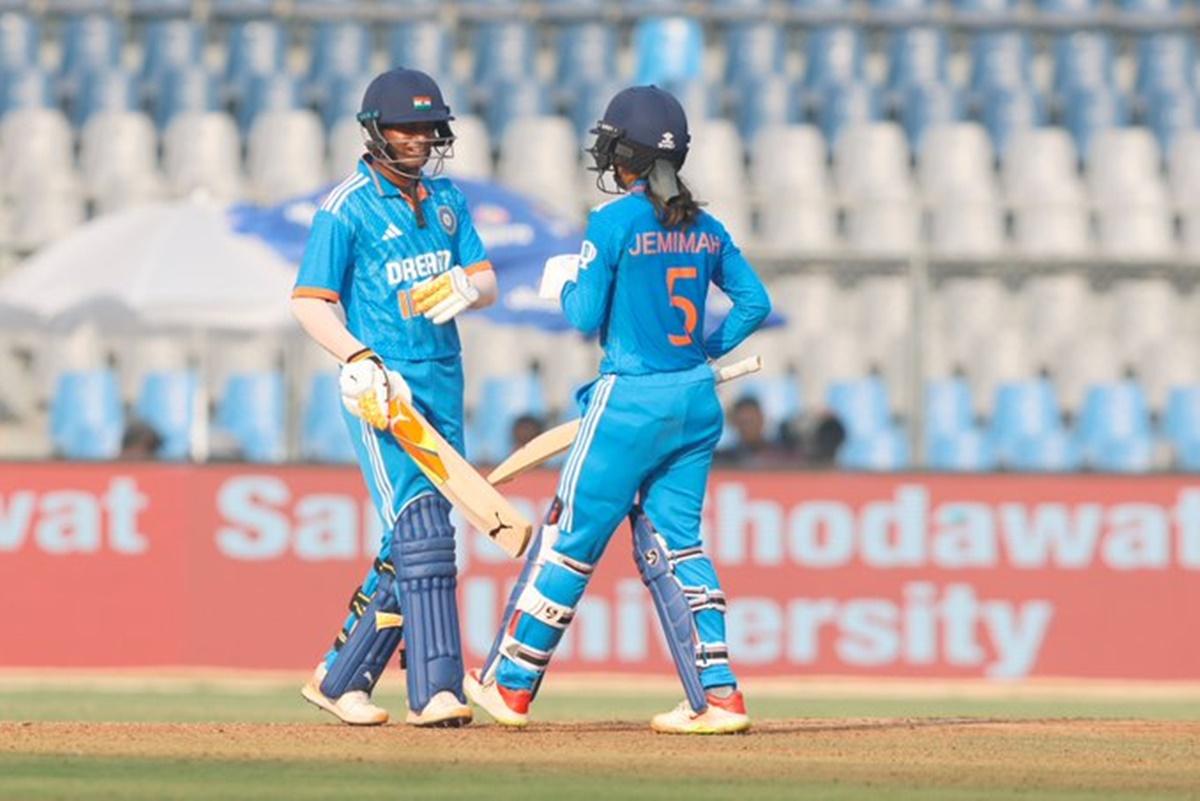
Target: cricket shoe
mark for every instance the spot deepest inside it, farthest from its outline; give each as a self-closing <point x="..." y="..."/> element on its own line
<point x="354" y="707"/>
<point x="724" y="716"/>
<point x="443" y="711"/>
<point x="507" y="707"/>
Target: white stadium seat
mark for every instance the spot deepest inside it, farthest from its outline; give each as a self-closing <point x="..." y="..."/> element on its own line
<point x="1184" y="169"/>
<point x="715" y="174"/>
<point x="538" y="158"/>
<point x="883" y="226"/>
<point x="956" y="164"/>
<point x="966" y="228"/>
<point x="285" y="155"/>
<point x="789" y="159"/>
<point x="797" y="225"/>
<point x="202" y="152"/>
<point x="1055" y="224"/>
<point x="32" y="142"/>
<point x="871" y="160"/>
<point x="46" y="208"/>
<point x="1122" y="159"/>
<point x="472" y="149"/>
<point x="345" y="148"/>
<point x="1041" y="165"/>
<point x="118" y="149"/>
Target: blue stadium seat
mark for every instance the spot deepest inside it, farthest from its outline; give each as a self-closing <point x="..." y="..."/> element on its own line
<point x="1154" y="11"/>
<point x="948" y="408"/>
<point x="925" y="106"/>
<point x="185" y="89"/>
<point x="1069" y="10"/>
<point x="840" y="106"/>
<point x="1023" y="410"/>
<point x="423" y="44"/>
<point x="27" y="88"/>
<point x="587" y="53"/>
<point x="965" y="451"/>
<point x="508" y="100"/>
<point x="241" y="9"/>
<point x="1006" y="111"/>
<point x="699" y="98"/>
<point x="1086" y="112"/>
<point x="1083" y="60"/>
<point x="1187" y="456"/>
<point x="1181" y="420"/>
<point x="984" y="10"/>
<point x="861" y="405"/>
<point x="345" y="98"/>
<point x="763" y="101"/>
<point x="274" y="92"/>
<point x="19" y="40"/>
<point x="1114" y="425"/>
<point x="340" y="47"/>
<point x="821" y="8"/>
<point x="91" y="42"/>
<point x="254" y="47"/>
<point x="252" y="411"/>
<point x="86" y="415"/>
<point x="160" y="8"/>
<point x="917" y="56"/>
<point x="754" y="50"/>
<point x="777" y="396"/>
<point x="590" y="100"/>
<point x="1170" y="112"/>
<point x="325" y="437"/>
<point x="505" y="51"/>
<point x="104" y="90"/>
<point x="1133" y="455"/>
<point x="502" y="401"/>
<point x="1052" y="451"/>
<point x="170" y="45"/>
<point x="668" y="49"/>
<point x="167" y="402"/>
<point x="884" y="450"/>
<point x="1001" y="59"/>
<point x="834" y="56"/>
<point x="1165" y="61"/>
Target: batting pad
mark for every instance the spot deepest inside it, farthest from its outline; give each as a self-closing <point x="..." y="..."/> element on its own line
<point x="423" y="546"/>
<point x="670" y="601"/>
<point x="364" y="655"/>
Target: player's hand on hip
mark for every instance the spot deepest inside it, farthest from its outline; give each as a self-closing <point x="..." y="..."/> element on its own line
<point x="367" y="386"/>
<point x="443" y="298"/>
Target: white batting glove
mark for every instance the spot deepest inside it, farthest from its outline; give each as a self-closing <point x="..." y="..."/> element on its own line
<point x="367" y="386"/>
<point x="443" y="298"/>
<point x="557" y="273"/>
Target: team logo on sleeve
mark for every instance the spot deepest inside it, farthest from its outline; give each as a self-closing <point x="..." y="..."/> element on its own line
<point x="448" y="219"/>
<point x="587" y="254"/>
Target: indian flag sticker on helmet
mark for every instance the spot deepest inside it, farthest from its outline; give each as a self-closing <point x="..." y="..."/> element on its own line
<point x="422" y="102"/>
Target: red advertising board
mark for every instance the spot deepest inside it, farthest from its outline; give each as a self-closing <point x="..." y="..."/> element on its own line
<point x="894" y="575"/>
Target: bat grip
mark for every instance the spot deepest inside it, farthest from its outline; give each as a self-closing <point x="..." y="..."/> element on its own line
<point x="738" y="369"/>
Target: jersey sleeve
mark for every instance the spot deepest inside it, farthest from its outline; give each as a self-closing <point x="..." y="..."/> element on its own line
<point x="470" y="253"/>
<point x="585" y="300"/>
<point x="751" y="305"/>
<point x="327" y="258"/>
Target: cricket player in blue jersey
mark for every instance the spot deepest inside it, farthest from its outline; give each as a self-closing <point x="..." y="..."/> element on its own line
<point x="651" y="421"/>
<point x="384" y="230"/>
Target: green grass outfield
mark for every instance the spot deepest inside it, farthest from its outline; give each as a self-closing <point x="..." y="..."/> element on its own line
<point x="221" y="739"/>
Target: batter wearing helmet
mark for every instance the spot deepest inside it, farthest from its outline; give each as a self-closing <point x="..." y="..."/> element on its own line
<point x="650" y="421"/>
<point x="388" y="228"/>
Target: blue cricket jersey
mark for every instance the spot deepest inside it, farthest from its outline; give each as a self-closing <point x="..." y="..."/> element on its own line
<point x="366" y="251"/>
<point x="644" y="288"/>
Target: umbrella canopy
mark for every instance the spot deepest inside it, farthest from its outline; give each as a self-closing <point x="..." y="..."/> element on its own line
<point x="169" y="265"/>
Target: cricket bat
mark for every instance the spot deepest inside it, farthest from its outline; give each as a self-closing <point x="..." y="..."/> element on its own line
<point x="549" y="444"/>
<point x="478" y="501"/>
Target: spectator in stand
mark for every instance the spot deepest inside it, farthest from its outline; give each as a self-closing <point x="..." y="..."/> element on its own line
<point x="752" y="448"/>
<point x="525" y="428"/>
<point x="140" y="442"/>
<point x="822" y="438"/>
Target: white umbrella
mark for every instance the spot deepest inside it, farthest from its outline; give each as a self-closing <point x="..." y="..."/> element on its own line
<point x="168" y="265"/>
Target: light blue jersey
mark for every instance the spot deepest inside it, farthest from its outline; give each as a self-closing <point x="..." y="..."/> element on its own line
<point x="644" y="287"/>
<point x="367" y="251"/>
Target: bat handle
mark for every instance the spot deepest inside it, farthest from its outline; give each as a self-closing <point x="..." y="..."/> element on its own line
<point x="738" y="369"/>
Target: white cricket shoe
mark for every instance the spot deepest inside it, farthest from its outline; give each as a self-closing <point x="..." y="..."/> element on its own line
<point x="724" y="716"/>
<point x="444" y="710"/>
<point x="354" y="707"/>
<point x="507" y="707"/>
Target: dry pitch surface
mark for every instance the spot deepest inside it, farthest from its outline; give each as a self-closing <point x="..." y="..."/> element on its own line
<point x="190" y="738"/>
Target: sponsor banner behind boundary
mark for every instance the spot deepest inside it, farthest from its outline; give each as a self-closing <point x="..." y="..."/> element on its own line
<point x="893" y="575"/>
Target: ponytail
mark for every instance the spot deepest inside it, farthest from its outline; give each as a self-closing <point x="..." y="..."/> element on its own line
<point x="680" y="211"/>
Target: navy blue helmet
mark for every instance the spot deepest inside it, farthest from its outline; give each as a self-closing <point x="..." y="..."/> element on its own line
<point x="641" y="126"/>
<point x="400" y="97"/>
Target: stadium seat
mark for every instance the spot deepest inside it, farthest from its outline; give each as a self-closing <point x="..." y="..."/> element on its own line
<point x="1052" y="229"/>
<point x="718" y="179"/>
<point x="170" y="46"/>
<point x="325" y="437"/>
<point x="834" y="56"/>
<point x="778" y="396"/>
<point x="1136" y="229"/>
<point x="1040" y="166"/>
<point x="472" y="149"/>
<point x="966" y="228"/>
<point x="1125" y="165"/>
<point x="871" y="160"/>
<point x="588" y="101"/>
<point x="754" y="50"/>
<point x="984" y="10"/>
<point x="1009" y="111"/>
<point x="28" y="88"/>
<point x="33" y="142"/>
<point x="505" y="398"/>
<point x="1184" y="169"/>
<point x="285" y="155"/>
<point x="587" y="52"/>
<point x="845" y="106"/>
<point x="46" y="209"/>
<point x="700" y="99"/>
<point x="1083" y="60"/>
<point x="861" y="405"/>
<point x="1165" y="60"/>
<point x="1053" y="451"/>
<point x="251" y="410"/>
<point x="202" y="152"/>
<point x="270" y="93"/>
<point x="884" y="450"/>
<point x="118" y="147"/>
<point x="1114" y="428"/>
<point x="167" y="402"/>
<point x="767" y="101"/>
<point x="1181" y="421"/>
<point x="86" y="415"/>
<point x="1171" y="113"/>
<point x="1152" y="11"/>
<point x="924" y="107"/>
<point x="955" y="163"/>
<point x="505" y="50"/>
<point x="20" y="37"/>
<point x="948" y="407"/>
<point x="1075" y="11"/>
<point x="423" y="44"/>
<point x="917" y="57"/>
<point x="1088" y="111"/>
<point x="1023" y="411"/>
<point x="345" y="99"/>
<point x="91" y="42"/>
<point x="254" y="47"/>
<point x="883" y="226"/>
<point x="546" y="172"/>
<point x="103" y="91"/>
<point x="1001" y="59"/>
<point x="184" y="90"/>
<point x="512" y="100"/>
<point x="796" y="208"/>
<point x="340" y="47"/>
<point x="965" y="451"/>
<point x="667" y="49"/>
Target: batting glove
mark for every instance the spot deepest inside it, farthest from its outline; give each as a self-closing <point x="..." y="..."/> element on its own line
<point x="443" y="298"/>
<point x="367" y="386"/>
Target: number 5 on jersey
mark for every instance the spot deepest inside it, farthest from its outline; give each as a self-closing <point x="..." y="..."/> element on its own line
<point x="690" y="315"/>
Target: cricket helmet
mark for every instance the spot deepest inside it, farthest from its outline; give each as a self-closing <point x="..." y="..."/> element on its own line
<point x="404" y="96"/>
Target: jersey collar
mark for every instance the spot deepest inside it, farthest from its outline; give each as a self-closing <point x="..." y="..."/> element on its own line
<point x="386" y="188"/>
